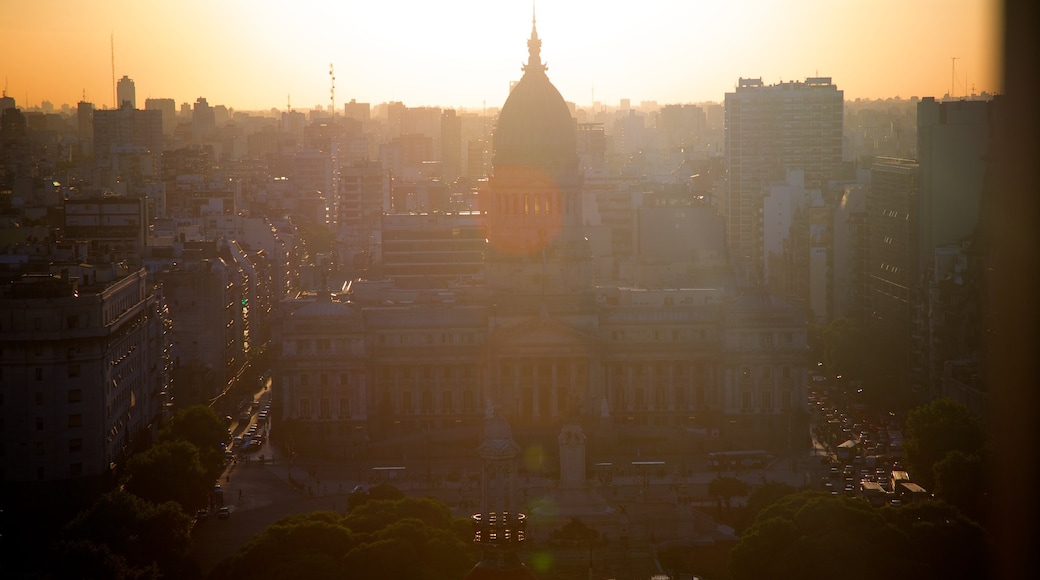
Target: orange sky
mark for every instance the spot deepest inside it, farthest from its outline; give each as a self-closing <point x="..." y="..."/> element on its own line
<point x="257" y="54"/>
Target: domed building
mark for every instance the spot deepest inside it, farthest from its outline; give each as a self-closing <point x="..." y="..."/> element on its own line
<point x="534" y="223"/>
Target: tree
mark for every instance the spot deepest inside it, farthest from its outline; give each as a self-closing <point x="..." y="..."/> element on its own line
<point x="130" y="536"/>
<point x="727" y="488"/>
<point x="762" y="497"/>
<point x="170" y="471"/>
<point x="935" y="429"/>
<point x="941" y="541"/>
<point x="402" y="538"/>
<point x="202" y="427"/>
<point x="960" y="479"/>
<point x="811" y="535"/>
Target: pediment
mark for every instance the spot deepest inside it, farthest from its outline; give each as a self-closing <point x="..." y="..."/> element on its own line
<point x="542" y="333"/>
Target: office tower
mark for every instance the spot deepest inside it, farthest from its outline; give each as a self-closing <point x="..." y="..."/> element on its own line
<point x="168" y="109"/>
<point x="451" y="145"/>
<point x="203" y="120"/>
<point x="893" y="269"/>
<point x="952" y="141"/>
<point x="769" y="130"/>
<point x="126" y="94"/>
<point x="357" y="111"/>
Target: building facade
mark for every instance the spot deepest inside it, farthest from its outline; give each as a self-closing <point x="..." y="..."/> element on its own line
<point x="83" y="363"/>
<point x="770" y="129"/>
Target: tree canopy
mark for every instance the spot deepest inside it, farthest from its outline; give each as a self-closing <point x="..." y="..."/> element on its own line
<point x="812" y="535"/>
<point x="122" y="535"/>
<point x="935" y="429"/>
<point x="202" y="427"/>
<point x="381" y="538"/>
<point x="170" y="471"/>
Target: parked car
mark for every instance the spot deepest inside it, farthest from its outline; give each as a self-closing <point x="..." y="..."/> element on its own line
<point x="224" y="513"/>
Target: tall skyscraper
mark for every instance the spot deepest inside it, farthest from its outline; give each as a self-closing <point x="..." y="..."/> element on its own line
<point x="769" y="130"/>
<point x="952" y="141"/>
<point x="126" y="94"/>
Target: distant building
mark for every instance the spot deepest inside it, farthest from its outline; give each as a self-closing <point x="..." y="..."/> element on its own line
<point x="115" y="227"/>
<point x="433" y="250"/>
<point x="126" y="94"/>
<point x="538" y="341"/>
<point x="168" y="109"/>
<point x="770" y="129"/>
<point x="894" y="272"/>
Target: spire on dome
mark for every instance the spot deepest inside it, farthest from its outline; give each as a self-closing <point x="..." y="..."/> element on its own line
<point x="534" y="47"/>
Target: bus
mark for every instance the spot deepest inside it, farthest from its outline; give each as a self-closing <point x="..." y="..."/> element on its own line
<point x="873" y="492"/>
<point x="732" y="460"/>
<point x="910" y="492"/>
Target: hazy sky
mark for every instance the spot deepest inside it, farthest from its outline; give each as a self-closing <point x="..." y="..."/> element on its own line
<point x="256" y="54"/>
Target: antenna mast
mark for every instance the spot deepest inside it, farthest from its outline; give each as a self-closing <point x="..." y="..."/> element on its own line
<point x="332" y="91"/>
<point x="953" y="75"/>
<point x="112" y="45"/>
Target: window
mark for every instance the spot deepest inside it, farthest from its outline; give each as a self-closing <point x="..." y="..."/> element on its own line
<point x="39" y="424"/>
<point x="39" y="373"/>
<point x="75" y="445"/>
<point x="74" y="371"/>
<point x="305" y="407"/>
<point x="75" y="469"/>
<point x="325" y="408"/>
<point x="39" y="398"/>
<point x="75" y="420"/>
<point x="344" y="407"/>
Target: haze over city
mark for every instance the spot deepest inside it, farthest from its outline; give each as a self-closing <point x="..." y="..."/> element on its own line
<point x="260" y="54"/>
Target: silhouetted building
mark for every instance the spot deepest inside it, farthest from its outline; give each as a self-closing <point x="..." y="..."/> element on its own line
<point x="168" y="109"/>
<point x="82" y="365"/>
<point x="894" y="272"/>
<point x="126" y="94"/>
<point x="535" y="240"/>
<point x="770" y="129"/>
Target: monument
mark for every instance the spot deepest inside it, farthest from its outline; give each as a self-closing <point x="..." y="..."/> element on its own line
<point x="572" y="495"/>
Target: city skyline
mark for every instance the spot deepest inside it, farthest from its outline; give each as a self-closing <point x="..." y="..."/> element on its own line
<point x="262" y="55"/>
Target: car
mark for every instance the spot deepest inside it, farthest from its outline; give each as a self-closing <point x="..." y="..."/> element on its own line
<point x="201" y="515"/>
<point x="895" y="503"/>
<point x="224" y="513"/>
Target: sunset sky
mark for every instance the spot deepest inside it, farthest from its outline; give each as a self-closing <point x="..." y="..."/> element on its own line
<point x="258" y="54"/>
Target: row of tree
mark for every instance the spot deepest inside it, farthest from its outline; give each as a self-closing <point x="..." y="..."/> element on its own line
<point x="141" y="529"/>
<point x="383" y="535"/>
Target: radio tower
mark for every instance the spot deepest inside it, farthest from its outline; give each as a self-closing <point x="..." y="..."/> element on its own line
<point x="112" y="45"/>
<point x="332" y="91"/>
<point x="953" y="75"/>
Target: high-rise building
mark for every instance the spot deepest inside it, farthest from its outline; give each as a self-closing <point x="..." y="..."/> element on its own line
<point x="168" y="109"/>
<point x="81" y="370"/>
<point x="769" y="130"/>
<point x="126" y="94"/>
<point x="952" y="140"/>
<point x="893" y="268"/>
